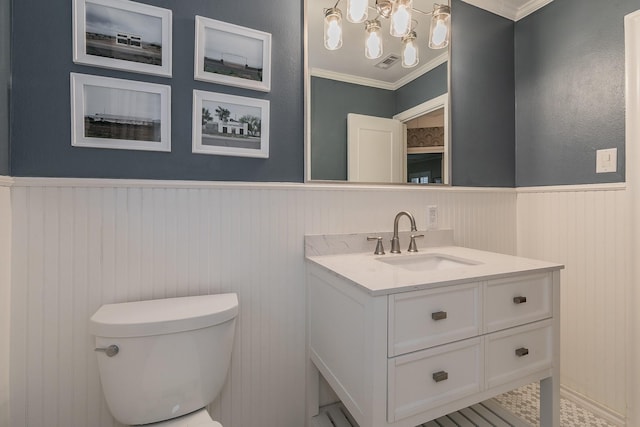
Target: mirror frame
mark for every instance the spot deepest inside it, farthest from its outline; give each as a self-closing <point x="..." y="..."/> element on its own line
<point x="406" y="115"/>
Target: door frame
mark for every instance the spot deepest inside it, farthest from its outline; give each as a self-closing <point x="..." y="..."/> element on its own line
<point x="632" y="178"/>
<point x="433" y="104"/>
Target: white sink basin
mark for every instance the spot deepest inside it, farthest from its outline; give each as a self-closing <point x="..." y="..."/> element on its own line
<point x="427" y="262"/>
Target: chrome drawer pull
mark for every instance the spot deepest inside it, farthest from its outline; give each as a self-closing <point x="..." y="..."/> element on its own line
<point x="110" y="351"/>
<point x="439" y="315"/>
<point x="522" y="352"/>
<point x="440" y="376"/>
<point x="519" y="300"/>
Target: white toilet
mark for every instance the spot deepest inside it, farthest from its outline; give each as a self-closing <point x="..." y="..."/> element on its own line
<point x="163" y="361"/>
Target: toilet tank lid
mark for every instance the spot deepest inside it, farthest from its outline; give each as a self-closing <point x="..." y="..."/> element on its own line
<point x="163" y="316"/>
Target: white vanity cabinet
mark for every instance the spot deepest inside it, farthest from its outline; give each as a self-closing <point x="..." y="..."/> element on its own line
<point x="405" y="355"/>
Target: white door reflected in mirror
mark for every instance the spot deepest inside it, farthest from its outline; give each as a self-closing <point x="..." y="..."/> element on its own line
<point x="410" y="148"/>
<point x="375" y="149"/>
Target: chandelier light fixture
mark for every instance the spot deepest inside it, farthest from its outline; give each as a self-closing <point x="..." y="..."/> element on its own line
<point x="373" y="45"/>
<point x="333" y="28"/>
<point x="357" y="10"/>
<point x="440" y="27"/>
<point x="410" y="50"/>
<point x="400" y="15"/>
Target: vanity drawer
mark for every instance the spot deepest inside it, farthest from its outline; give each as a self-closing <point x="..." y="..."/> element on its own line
<point x="518" y="352"/>
<point x="517" y="300"/>
<point x="423" y="380"/>
<point x="423" y="319"/>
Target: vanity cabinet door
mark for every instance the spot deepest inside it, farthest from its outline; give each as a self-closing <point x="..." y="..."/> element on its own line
<point x="423" y="319"/>
<point x="518" y="352"/>
<point x="517" y="300"/>
<point x="426" y="379"/>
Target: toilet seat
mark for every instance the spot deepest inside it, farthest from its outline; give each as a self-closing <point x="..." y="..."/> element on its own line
<point x="200" y="418"/>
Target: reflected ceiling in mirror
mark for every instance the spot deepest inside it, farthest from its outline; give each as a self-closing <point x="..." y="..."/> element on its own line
<point x="348" y="63"/>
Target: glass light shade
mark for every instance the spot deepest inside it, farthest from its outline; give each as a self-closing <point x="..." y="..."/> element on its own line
<point x="440" y="27"/>
<point x="401" y="18"/>
<point x="333" y="29"/>
<point x="384" y="8"/>
<point x="410" y="56"/>
<point x="357" y="10"/>
<point x="373" y="43"/>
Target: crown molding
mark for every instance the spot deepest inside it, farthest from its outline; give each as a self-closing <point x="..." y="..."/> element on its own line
<point x="348" y="78"/>
<point x="6" y="181"/>
<point x="508" y="10"/>
<point x="531" y="7"/>
<point x="435" y="62"/>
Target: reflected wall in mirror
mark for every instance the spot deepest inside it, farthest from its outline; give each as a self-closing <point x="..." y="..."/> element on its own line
<point x="344" y="81"/>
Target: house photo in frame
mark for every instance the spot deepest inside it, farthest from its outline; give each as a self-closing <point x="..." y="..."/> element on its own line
<point x="232" y="55"/>
<point x="229" y="125"/>
<point x="122" y="35"/>
<point x="120" y="114"/>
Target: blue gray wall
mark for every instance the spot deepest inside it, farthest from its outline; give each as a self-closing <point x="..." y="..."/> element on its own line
<point x="428" y="86"/>
<point x="482" y="98"/>
<point x="5" y="73"/>
<point x="570" y="91"/>
<point x="332" y="100"/>
<point x="42" y="61"/>
<point x="566" y="72"/>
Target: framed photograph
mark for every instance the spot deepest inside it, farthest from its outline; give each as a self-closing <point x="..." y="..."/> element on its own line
<point x="232" y="55"/>
<point x="122" y="35"/>
<point x="230" y="125"/>
<point x="120" y="114"/>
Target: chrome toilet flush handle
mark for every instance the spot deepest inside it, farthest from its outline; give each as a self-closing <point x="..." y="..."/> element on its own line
<point x="110" y="351"/>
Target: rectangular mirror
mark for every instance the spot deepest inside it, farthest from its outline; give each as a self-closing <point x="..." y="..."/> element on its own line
<point x="345" y="81"/>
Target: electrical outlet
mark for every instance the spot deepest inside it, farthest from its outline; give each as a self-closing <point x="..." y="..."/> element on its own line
<point x="432" y="217"/>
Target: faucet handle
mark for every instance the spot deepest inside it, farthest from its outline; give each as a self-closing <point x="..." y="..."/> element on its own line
<point x="379" y="248"/>
<point x="412" y="244"/>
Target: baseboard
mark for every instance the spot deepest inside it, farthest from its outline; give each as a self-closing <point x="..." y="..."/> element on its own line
<point x="594" y="407"/>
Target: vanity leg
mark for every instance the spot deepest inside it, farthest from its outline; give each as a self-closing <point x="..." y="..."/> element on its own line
<point x="313" y="391"/>
<point x="550" y="402"/>
<point x="550" y="387"/>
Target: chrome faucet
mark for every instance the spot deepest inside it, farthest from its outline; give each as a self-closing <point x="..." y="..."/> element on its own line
<point x="395" y="240"/>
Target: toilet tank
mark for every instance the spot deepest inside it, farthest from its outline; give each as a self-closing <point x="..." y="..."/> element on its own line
<point x="173" y="354"/>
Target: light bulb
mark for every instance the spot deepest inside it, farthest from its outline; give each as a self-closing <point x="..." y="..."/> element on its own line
<point x="357" y="10"/>
<point x="439" y="33"/>
<point x="409" y="51"/>
<point x="373" y="43"/>
<point x="401" y="18"/>
<point x="333" y="29"/>
<point x="440" y="27"/>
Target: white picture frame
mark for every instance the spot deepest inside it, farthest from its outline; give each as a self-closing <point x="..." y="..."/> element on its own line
<point x="229" y="125"/>
<point x="232" y="55"/>
<point x="120" y="114"/>
<point x="122" y="35"/>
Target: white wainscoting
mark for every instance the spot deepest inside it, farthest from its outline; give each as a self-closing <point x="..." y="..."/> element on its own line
<point x="5" y="295"/>
<point x="587" y="228"/>
<point x="78" y="244"/>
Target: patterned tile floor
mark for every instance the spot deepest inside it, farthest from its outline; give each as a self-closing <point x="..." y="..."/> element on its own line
<point x="525" y="401"/>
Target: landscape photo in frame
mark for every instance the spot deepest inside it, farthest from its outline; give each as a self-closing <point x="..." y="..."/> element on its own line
<point x="232" y="55"/>
<point x="119" y="114"/>
<point x="230" y="125"/>
<point x="122" y="34"/>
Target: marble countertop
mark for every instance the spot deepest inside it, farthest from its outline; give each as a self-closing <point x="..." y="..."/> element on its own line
<point x="365" y="270"/>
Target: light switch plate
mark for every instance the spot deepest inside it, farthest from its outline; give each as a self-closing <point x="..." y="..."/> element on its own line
<point x="606" y="160"/>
